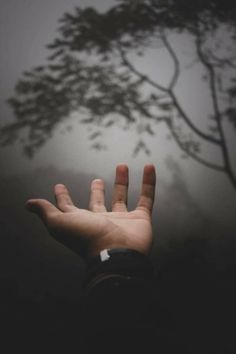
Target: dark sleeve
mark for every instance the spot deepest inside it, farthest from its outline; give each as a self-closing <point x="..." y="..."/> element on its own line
<point x="117" y="293"/>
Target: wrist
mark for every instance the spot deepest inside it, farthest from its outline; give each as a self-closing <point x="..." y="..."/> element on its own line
<point x="118" y="262"/>
<point x="122" y="243"/>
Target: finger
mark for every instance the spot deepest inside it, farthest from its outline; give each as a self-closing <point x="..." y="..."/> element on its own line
<point x="120" y="190"/>
<point x="146" y="198"/>
<point x="43" y="208"/>
<point x="97" y="196"/>
<point x="63" y="199"/>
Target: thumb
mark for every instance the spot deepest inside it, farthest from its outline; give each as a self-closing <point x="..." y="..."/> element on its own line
<point x="43" y="208"/>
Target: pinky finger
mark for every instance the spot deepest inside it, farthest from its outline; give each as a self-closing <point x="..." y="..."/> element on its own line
<point x="146" y="199"/>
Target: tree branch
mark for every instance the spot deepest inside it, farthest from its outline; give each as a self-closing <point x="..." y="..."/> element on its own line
<point x="190" y="153"/>
<point x="132" y="68"/>
<point x="173" y="82"/>
<point x="169" y="92"/>
<point x="176" y="73"/>
<point x="190" y="124"/>
<point x="212" y="82"/>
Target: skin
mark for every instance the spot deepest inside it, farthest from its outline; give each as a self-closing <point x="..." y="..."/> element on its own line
<point x="96" y="228"/>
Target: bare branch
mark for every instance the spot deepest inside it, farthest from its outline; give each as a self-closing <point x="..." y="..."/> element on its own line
<point x="221" y="62"/>
<point x="217" y="115"/>
<point x="169" y="92"/>
<point x="190" y="153"/>
<point x="132" y="68"/>
<point x="173" y="82"/>
<point x="176" y="72"/>
<point x="190" y="124"/>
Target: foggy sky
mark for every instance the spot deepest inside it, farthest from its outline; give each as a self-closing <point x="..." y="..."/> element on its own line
<point x="26" y="27"/>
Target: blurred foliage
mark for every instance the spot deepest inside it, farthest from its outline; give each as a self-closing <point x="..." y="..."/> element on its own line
<point x="90" y="71"/>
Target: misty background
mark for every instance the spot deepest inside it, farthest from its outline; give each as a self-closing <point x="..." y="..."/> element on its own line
<point x="194" y="214"/>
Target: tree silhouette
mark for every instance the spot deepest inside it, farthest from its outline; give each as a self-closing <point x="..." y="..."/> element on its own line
<point x="91" y="71"/>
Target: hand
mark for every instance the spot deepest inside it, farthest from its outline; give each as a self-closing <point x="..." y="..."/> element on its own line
<point x="97" y="228"/>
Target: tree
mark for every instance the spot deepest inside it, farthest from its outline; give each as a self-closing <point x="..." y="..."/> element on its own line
<point x="90" y="70"/>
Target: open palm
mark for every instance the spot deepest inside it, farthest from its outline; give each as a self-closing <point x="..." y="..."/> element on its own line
<point x="97" y="228"/>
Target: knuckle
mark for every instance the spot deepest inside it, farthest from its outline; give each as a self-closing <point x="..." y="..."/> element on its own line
<point x="119" y="201"/>
<point x="119" y="197"/>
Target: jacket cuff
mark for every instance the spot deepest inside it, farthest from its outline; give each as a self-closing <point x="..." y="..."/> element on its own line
<point x="117" y="263"/>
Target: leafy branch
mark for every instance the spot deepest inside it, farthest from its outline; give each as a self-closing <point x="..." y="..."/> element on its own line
<point x="89" y="71"/>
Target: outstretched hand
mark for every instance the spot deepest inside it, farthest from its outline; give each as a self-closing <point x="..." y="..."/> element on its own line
<point x="97" y="228"/>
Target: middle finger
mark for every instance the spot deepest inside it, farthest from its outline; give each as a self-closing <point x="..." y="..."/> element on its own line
<point x="120" y="190"/>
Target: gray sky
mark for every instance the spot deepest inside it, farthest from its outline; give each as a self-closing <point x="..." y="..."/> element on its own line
<point x="26" y="27"/>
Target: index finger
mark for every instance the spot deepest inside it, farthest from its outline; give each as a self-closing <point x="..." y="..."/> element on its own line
<point x="146" y="199"/>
